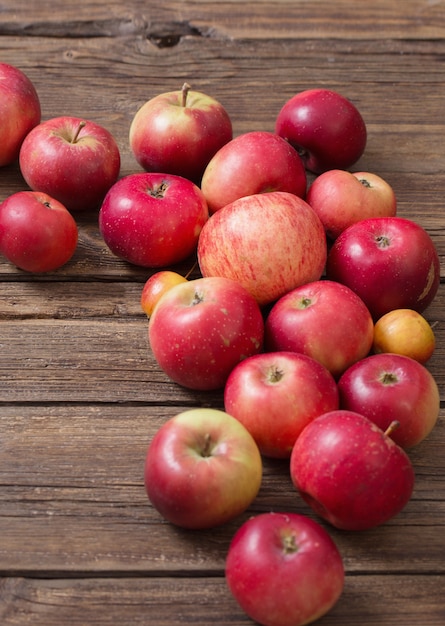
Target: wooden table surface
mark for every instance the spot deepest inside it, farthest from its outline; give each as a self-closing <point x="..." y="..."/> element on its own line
<point x="80" y="393"/>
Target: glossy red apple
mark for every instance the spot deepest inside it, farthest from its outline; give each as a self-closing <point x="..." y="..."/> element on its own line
<point x="202" y="328"/>
<point x="178" y="132"/>
<point x="276" y="394"/>
<point x="390" y="262"/>
<point x="202" y="469"/>
<point x="350" y="472"/>
<point x="324" y="320"/>
<point x="270" y="243"/>
<point x="340" y="199"/>
<point x="284" y="569"/>
<point x="37" y="233"/>
<point x="74" y="161"/>
<point x="152" y="219"/>
<point x="254" y="162"/>
<point x="326" y="128"/>
<point x="20" y="111"/>
<point x="390" y="387"/>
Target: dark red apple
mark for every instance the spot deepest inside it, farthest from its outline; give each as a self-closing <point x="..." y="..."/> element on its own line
<point x="390" y="262"/>
<point x="326" y="128"/>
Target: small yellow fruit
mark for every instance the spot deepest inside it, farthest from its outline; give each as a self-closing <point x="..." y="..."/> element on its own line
<point x="406" y="332"/>
<point x="156" y="286"/>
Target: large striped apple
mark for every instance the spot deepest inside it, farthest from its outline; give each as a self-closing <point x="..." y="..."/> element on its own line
<point x="270" y="243"/>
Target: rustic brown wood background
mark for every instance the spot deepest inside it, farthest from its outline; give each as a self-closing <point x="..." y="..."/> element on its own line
<point x="80" y="394"/>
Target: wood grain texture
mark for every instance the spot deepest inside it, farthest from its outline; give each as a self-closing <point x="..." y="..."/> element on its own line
<point x="80" y="393"/>
<point x="148" y="602"/>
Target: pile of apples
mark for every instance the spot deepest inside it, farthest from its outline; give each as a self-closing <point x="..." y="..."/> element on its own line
<point x="307" y="315"/>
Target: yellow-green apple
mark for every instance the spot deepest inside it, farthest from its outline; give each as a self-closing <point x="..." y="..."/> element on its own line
<point x="326" y="129"/>
<point x="324" y="320"/>
<point x="275" y="394"/>
<point x="37" y="233"/>
<point x="284" y="569"/>
<point x="341" y="198"/>
<point x="73" y="160"/>
<point x="390" y="387"/>
<point x="404" y="331"/>
<point x="178" y="132"/>
<point x="152" y="219"/>
<point x="202" y="469"/>
<point x="254" y="162"/>
<point x="270" y="243"/>
<point x="200" y="329"/>
<point x="390" y="262"/>
<point x="155" y="287"/>
<point x="20" y="111"/>
<point x="350" y="472"/>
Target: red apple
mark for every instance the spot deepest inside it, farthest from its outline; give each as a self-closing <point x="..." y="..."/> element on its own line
<point x="326" y="128"/>
<point x="390" y="262"/>
<point x="202" y="469"/>
<point x="37" y="233"/>
<point x="155" y="287"/>
<point x="324" y="320"/>
<point x="270" y="243"/>
<point x="275" y="394"/>
<point x="73" y="160"/>
<point x="391" y="387"/>
<point x="178" y="132"/>
<point x="19" y="111"/>
<point x="202" y="328"/>
<point x="350" y="472"/>
<point x="284" y="569"/>
<point x="340" y="199"/>
<point x="255" y="162"/>
<point x="152" y="219"/>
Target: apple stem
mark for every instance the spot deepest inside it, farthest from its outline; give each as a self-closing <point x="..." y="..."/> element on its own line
<point x="207" y="450"/>
<point x="185" y="90"/>
<point x="79" y="128"/>
<point x="289" y="544"/>
<point x="392" y="427"/>
<point x="275" y="374"/>
<point x="191" y="270"/>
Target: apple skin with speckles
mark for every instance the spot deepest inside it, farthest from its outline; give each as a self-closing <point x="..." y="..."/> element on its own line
<point x="200" y="329"/>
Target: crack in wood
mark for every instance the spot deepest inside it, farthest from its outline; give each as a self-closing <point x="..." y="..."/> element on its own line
<point x="160" y="34"/>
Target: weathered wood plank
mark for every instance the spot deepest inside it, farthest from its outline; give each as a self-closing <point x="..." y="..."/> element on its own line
<point x="142" y="601"/>
<point x="373" y="600"/>
<point x="71" y="482"/>
<point x="164" y="23"/>
<point x="104" y="360"/>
